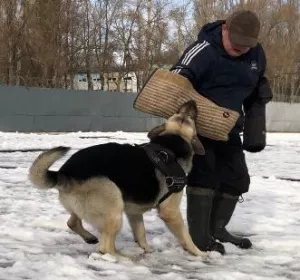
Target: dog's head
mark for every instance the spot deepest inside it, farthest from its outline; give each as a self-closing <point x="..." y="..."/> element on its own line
<point x="181" y="123"/>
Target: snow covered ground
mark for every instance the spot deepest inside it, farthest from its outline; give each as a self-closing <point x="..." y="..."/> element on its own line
<point x="35" y="242"/>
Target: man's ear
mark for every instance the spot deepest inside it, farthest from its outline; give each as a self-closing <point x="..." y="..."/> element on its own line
<point x="156" y="131"/>
<point x="197" y="146"/>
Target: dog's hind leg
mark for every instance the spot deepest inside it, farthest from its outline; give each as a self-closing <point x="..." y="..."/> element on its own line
<point x="111" y="227"/>
<point x="169" y="212"/>
<point x="136" y="222"/>
<point x="75" y="224"/>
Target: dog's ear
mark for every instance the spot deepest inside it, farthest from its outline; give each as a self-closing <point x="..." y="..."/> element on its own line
<point x="189" y="108"/>
<point x="197" y="146"/>
<point x="156" y="131"/>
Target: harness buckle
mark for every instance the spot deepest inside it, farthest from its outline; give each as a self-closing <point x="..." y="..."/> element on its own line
<point x="164" y="156"/>
<point x="170" y="181"/>
<point x="176" y="184"/>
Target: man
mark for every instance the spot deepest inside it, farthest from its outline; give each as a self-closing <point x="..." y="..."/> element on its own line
<point x="226" y="65"/>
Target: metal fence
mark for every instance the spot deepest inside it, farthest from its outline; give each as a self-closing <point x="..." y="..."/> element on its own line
<point x="54" y="110"/>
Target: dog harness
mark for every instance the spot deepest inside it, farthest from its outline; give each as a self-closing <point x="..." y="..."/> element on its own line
<point x="165" y="160"/>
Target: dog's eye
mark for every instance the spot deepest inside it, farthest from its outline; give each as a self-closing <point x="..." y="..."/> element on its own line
<point x="187" y="121"/>
<point x="178" y="119"/>
<point x="183" y="120"/>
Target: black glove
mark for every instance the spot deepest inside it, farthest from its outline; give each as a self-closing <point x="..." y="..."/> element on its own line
<point x="254" y="136"/>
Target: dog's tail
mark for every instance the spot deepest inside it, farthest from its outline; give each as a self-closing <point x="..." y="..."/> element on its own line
<point x="39" y="175"/>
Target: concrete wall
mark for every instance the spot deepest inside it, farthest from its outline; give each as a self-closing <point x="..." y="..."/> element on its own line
<point x="52" y="110"/>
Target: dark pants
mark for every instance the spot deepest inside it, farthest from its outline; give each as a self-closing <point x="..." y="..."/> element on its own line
<point x="223" y="167"/>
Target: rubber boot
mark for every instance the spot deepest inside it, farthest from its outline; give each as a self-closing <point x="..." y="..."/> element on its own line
<point x="223" y="208"/>
<point x="199" y="203"/>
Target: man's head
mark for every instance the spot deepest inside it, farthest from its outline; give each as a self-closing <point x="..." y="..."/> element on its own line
<point x="240" y="32"/>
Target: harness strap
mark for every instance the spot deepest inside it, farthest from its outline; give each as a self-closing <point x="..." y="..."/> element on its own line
<point x="165" y="160"/>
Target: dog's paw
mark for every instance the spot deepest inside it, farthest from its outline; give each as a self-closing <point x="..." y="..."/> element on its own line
<point x="198" y="253"/>
<point x="203" y="255"/>
<point x="148" y="249"/>
<point x="137" y="258"/>
<point x="91" y="240"/>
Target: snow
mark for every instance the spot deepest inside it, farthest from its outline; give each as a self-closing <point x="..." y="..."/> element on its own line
<point x="35" y="242"/>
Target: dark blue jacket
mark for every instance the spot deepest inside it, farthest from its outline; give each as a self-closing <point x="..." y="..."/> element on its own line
<point x="225" y="80"/>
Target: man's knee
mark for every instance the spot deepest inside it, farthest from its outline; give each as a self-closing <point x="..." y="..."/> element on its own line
<point x="243" y="185"/>
<point x="200" y="180"/>
<point x="202" y="173"/>
<point x="238" y="187"/>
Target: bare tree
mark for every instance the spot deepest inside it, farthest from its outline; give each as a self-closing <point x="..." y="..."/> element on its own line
<point x="47" y="42"/>
<point x="106" y="11"/>
<point x="86" y="38"/>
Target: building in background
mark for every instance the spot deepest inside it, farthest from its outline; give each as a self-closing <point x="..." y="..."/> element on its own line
<point x="124" y="82"/>
<point x="114" y="81"/>
<point x="80" y="81"/>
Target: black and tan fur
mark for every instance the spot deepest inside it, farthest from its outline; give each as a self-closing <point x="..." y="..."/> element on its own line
<point x="98" y="184"/>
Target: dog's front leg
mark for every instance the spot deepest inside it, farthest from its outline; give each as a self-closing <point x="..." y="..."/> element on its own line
<point x="136" y="222"/>
<point x="169" y="212"/>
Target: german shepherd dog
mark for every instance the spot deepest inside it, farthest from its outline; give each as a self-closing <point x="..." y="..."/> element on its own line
<point x="99" y="183"/>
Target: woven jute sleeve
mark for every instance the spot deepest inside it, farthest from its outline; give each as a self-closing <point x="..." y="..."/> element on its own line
<point x="165" y="92"/>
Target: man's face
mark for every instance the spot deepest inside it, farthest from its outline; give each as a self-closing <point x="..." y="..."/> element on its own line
<point x="231" y="49"/>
